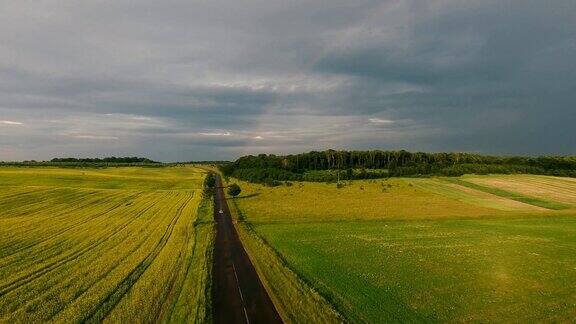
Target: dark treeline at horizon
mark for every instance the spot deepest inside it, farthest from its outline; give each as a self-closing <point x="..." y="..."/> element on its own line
<point x="270" y="168"/>
<point x="106" y="161"/>
<point x="112" y="159"/>
<point x="210" y="162"/>
<point x="86" y="162"/>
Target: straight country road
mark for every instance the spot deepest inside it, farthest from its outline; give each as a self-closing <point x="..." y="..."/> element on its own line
<point x="237" y="293"/>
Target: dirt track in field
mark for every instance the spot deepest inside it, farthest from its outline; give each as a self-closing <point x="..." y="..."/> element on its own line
<point x="238" y="295"/>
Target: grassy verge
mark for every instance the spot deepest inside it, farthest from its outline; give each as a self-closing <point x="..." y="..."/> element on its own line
<point x="510" y="195"/>
<point x="294" y="299"/>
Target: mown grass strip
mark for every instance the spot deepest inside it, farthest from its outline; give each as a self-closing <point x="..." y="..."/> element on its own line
<point x="510" y="195"/>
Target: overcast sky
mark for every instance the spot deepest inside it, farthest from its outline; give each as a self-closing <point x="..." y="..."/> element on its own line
<point x="195" y="80"/>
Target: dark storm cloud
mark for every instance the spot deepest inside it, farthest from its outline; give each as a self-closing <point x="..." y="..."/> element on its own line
<point x="182" y="80"/>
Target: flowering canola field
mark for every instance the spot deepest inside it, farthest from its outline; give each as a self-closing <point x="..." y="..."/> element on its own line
<point x="108" y="245"/>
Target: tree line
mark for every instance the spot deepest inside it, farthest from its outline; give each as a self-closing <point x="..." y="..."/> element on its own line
<point x="87" y="162"/>
<point x="112" y="159"/>
<point x="332" y="165"/>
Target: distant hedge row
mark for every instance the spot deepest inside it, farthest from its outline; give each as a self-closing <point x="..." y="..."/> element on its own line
<point x="332" y="165"/>
<point x="87" y="162"/>
<point x="112" y="159"/>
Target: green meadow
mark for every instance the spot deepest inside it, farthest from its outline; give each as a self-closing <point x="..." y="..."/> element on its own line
<point x="467" y="249"/>
<point x="452" y="270"/>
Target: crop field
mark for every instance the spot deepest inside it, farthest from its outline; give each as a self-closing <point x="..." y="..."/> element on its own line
<point x="474" y="248"/>
<point x="106" y="245"/>
<point x="561" y="190"/>
<point x="360" y="200"/>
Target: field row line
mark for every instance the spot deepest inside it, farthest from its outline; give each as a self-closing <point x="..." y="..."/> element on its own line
<point x="57" y="263"/>
<point x="60" y="278"/>
<point x="63" y="217"/>
<point x="25" y="205"/>
<point x="105" y="306"/>
<point x="79" y="221"/>
<point x="176" y="290"/>
<point x="121" y="257"/>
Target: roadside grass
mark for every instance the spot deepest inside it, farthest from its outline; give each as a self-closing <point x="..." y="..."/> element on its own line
<point x="103" y="250"/>
<point x="510" y="195"/>
<point x="295" y="300"/>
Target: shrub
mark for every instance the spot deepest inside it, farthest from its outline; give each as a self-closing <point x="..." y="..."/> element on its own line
<point x="234" y="190"/>
<point x="210" y="181"/>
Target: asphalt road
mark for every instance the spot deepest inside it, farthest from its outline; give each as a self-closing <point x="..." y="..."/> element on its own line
<point x="238" y="295"/>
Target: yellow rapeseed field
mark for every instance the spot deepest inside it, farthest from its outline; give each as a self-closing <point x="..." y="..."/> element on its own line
<point x="104" y="245"/>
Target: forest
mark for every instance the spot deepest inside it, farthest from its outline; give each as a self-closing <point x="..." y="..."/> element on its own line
<point x="332" y="165"/>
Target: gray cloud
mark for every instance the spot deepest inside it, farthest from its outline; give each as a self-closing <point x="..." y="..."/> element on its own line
<point x="183" y="80"/>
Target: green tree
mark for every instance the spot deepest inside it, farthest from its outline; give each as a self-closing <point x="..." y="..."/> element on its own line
<point x="209" y="184"/>
<point x="210" y="181"/>
<point x="234" y="190"/>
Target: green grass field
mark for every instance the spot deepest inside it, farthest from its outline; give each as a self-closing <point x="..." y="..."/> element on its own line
<point x="427" y="250"/>
<point x="112" y="245"/>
